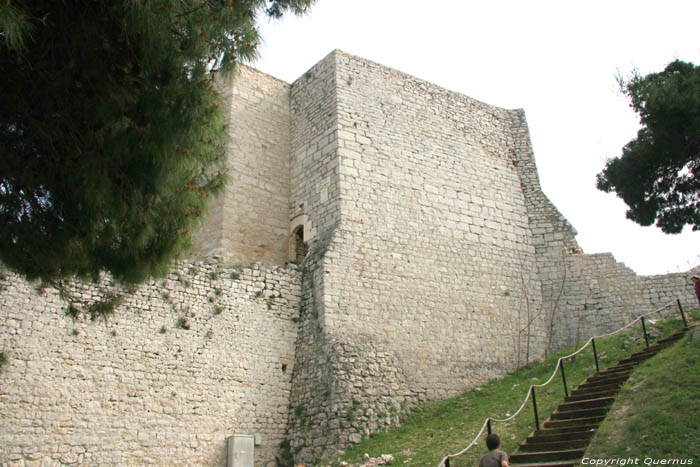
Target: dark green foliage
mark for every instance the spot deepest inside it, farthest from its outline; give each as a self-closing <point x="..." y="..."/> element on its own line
<point x="112" y="133"/>
<point x="103" y="308"/>
<point x="286" y="458"/>
<point x="658" y="174"/>
<point x="73" y="311"/>
<point x="97" y="309"/>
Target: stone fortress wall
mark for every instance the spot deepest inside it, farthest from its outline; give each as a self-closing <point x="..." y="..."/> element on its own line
<point x="413" y="280"/>
<point x="185" y="362"/>
<point x="435" y="244"/>
<point x="599" y="294"/>
<point x="425" y="242"/>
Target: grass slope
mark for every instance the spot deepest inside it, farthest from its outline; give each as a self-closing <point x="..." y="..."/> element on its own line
<point x="657" y="412"/>
<point x="433" y="430"/>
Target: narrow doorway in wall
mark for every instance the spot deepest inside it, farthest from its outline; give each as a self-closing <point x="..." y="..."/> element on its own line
<point x="300" y="247"/>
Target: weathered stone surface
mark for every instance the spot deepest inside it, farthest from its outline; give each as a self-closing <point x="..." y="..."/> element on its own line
<point x="139" y="388"/>
<point x="249" y="222"/>
<point x="432" y="262"/>
<point x="434" y="247"/>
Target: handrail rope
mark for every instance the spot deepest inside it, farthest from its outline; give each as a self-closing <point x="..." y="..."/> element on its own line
<point x="556" y="368"/>
<point x="468" y="447"/>
<point x="541" y="385"/>
<point x="527" y="397"/>
<point x="670" y="304"/>
<point x="619" y="330"/>
<point x="635" y="320"/>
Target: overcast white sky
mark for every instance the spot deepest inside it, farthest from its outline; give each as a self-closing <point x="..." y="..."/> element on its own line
<point x="555" y="59"/>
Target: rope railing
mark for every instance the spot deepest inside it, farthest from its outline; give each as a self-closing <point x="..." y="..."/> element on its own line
<point x="445" y="462"/>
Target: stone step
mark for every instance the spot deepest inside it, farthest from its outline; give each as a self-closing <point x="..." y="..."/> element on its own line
<point x="580" y="413"/>
<point x="546" y="436"/>
<point x="651" y="350"/>
<point x="640" y="356"/>
<point x="613" y="378"/>
<point x="608" y="376"/>
<point x="554" y="445"/>
<point x="557" y="430"/>
<point x="573" y="422"/>
<point x="585" y="404"/>
<point x="678" y="335"/>
<point x="617" y="368"/>
<point x="583" y="396"/>
<point x="598" y="387"/>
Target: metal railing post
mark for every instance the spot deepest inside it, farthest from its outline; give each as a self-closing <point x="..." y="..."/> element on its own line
<point x="644" y="330"/>
<point x="534" y="406"/>
<point x="488" y="426"/>
<point x="685" y="322"/>
<point x="563" y="377"/>
<point x="595" y="356"/>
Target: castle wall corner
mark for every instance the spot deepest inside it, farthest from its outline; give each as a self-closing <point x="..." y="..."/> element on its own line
<point x="249" y="222"/>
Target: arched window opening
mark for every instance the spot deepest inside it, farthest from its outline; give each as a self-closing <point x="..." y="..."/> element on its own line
<point x="300" y="247"/>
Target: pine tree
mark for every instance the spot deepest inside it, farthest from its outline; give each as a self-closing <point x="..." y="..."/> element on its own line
<point x="112" y="132"/>
<point x="658" y="174"/>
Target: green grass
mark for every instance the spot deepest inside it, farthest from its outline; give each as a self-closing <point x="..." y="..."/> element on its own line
<point x="430" y="431"/>
<point x="657" y="412"/>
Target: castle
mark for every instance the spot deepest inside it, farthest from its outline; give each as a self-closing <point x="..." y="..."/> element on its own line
<point x="400" y="249"/>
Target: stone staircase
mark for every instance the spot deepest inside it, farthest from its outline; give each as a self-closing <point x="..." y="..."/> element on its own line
<point x="563" y="438"/>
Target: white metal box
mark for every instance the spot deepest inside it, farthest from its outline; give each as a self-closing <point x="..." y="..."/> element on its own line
<point x="241" y="450"/>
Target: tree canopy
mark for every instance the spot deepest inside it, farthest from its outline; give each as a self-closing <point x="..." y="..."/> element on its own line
<point x="112" y="132"/>
<point x="658" y="174"/>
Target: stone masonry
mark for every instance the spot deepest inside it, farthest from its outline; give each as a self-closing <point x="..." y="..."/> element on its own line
<point x="433" y="246"/>
<point x="430" y="262"/>
<point x="185" y="362"/>
<point x="249" y="222"/>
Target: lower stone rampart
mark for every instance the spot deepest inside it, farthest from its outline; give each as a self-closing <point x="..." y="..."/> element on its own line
<point x="595" y="294"/>
<point x="659" y="290"/>
<point x="185" y="362"/>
